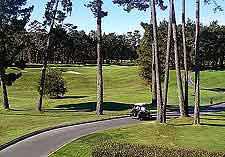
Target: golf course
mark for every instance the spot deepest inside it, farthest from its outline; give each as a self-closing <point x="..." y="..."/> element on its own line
<point x="123" y="87"/>
<point x="120" y="78"/>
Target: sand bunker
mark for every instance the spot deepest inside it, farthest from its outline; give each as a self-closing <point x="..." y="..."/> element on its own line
<point x="72" y="72"/>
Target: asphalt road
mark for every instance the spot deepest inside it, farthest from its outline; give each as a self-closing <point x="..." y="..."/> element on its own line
<point x="45" y="143"/>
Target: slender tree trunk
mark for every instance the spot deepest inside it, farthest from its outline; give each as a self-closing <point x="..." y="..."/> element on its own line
<point x="185" y="59"/>
<point x="177" y="62"/>
<point x="29" y="56"/>
<point x="167" y="70"/>
<point x="4" y="90"/>
<point x="197" y="67"/>
<point x="157" y="66"/>
<point x="222" y="59"/>
<point x="99" y="106"/>
<point x="154" y="94"/>
<point x="36" y="58"/>
<point x="45" y="62"/>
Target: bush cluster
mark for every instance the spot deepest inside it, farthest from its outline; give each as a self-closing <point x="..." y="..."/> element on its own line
<point x="54" y="84"/>
<point x="116" y="149"/>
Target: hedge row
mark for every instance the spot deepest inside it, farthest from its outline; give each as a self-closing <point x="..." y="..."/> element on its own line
<point x="116" y="149"/>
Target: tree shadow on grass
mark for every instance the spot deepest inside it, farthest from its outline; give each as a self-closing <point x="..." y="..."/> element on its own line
<point x="203" y="109"/>
<point x="217" y="125"/>
<point x="72" y="97"/>
<point x="215" y="89"/>
<point x="218" y="119"/>
<point x="215" y="115"/>
<point x="91" y="106"/>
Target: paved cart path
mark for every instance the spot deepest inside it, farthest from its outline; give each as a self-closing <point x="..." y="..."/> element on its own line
<point x="45" y="143"/>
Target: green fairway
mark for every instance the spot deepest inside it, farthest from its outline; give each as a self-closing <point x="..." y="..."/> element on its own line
<point x="178" y="133"/>
<point x="122" y="87"/>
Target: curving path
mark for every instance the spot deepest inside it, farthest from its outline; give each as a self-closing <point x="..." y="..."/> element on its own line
<point x="45" y="143"/>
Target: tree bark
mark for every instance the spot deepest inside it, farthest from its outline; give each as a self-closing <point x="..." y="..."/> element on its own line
<point x="45" y="62"/>
<point x="185" y="59"/>
<point x="154" y="94"/>
<point x="4" y="90"/>
<point x="99" y="105"/>
<point x="197" y="67"/>
<point x="177" y="62"/>
<point x="157" y="66"/>
<point x="167" y="70"/>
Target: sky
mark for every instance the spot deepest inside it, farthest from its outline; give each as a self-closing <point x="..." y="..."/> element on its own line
<point x="120" y="21"/>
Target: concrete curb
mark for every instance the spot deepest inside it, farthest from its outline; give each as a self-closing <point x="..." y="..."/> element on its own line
<point x="21" y="138"/>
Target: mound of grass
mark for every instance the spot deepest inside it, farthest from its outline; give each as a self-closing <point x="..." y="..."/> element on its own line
<point x="178" y="134"/>
<point x="115" y="149"/>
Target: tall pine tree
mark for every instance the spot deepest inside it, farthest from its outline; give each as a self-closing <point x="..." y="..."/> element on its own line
<point x="96" y="8"/>
<point x="13" y="19"/>
<point x="55" y="14"/>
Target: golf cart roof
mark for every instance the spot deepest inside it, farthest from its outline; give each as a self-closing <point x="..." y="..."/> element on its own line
<point x="140" y="104"/>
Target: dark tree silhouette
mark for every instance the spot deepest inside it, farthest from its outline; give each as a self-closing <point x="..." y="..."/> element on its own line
<point x="13" y="19"/>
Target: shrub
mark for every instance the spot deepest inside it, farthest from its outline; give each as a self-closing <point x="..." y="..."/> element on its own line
<point x="54" y="84"/>
<point x="116" y="149"/>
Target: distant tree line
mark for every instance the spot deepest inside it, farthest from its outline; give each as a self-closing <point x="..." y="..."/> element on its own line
<point x="72" y="46"/>
<point x="212" y="47"/>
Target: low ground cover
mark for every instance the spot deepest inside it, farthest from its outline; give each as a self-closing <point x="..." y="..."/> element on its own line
<point x="177" y="134"/>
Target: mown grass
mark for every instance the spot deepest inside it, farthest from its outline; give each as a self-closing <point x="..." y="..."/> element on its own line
<point x="178" y="133"/>
<point x="122" y="86"/>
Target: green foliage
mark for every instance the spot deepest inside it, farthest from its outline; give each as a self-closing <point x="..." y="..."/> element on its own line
<point x="52" y="12"/>
<point x="138" y="4"/>
<point x="116" y="149"/>
<point x="73" y="46"/>
<point x="13" y="18"/>
<point x="213" y="45"/>
<point x="145" y="51"/>
<point x="54" y="84"/>
<point x="145" y="55"/>
<point x="93" y="6"/>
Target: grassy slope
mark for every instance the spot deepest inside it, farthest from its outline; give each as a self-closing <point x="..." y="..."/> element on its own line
<point x="178" y="133"/>
<point x="122" y="87"/>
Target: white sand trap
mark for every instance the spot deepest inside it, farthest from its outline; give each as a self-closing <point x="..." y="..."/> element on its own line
<point x="72" y="72"/>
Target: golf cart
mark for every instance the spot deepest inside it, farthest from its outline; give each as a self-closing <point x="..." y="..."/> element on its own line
<point x="140" y="111"/>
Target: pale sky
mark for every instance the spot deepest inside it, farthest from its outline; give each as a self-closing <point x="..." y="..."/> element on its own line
<point x="120" y="21"/>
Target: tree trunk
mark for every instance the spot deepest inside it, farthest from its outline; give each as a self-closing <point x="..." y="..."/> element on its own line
<point x="185" y="59"/>
<point x="222" y="59"/>
<point x="197" y="67"/>
<point x="154" y="94"/>
<point x="177" y="62"/>
<point x="99" y="106"/>
<point x="157" y="66"/>
<point x="45" y="62"/>
<point x="167" y="70"/>
<point x="4" y="90"/>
